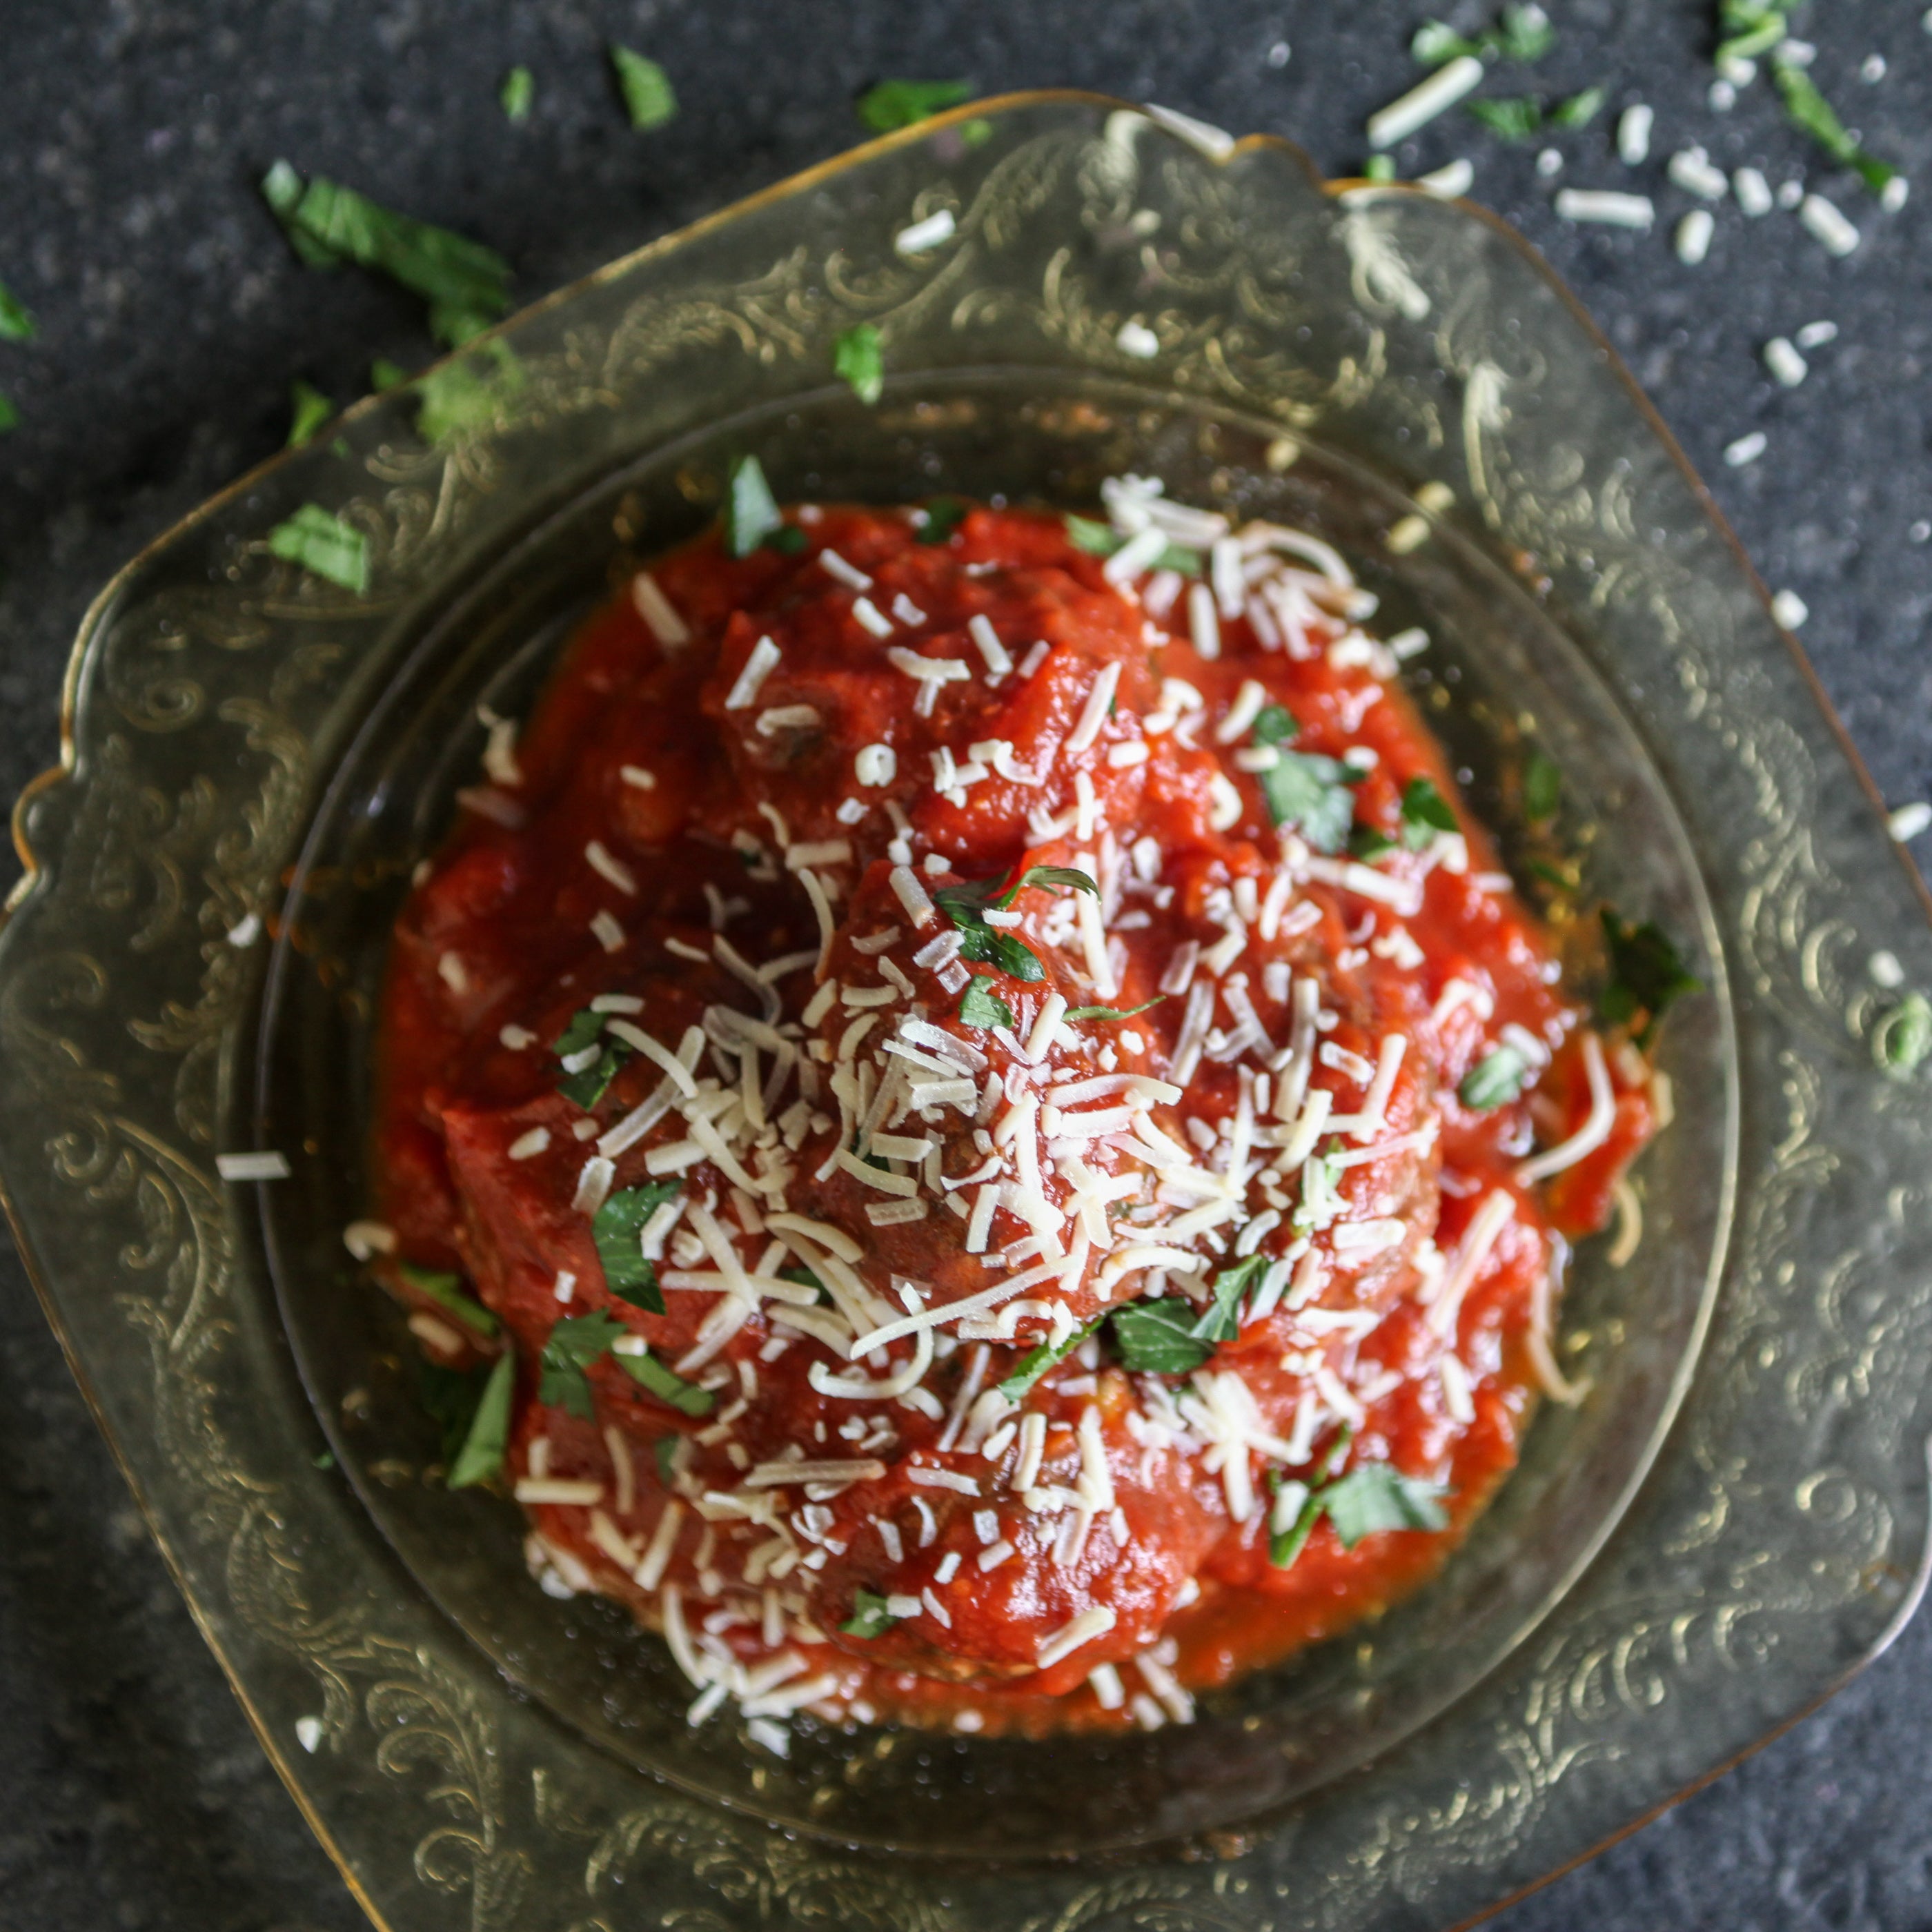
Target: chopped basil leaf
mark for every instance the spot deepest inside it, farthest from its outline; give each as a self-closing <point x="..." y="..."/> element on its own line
<point x="1286" y="1545"/>
<point x="1579" y="110"/>
<point x="751" y="511"/>
<point x="1378" y="1496"/>
<point x="1425" y="812"/>
<point x="980" y="1006"/>
<point x="650" y="1373"/>
<point x="450" y="1396"/>
<point x="1525" y="34"/>
<point x="805" y="1278"/>
<point x="1102" y="540"/>
<point x="1320" y="1181"/>
<point x="1274" y="725"/>
<point x="1311" y="793"/>
<point x="1434" y="43"/>
<point x="870" y="1617"/>
<point x="987" y="945"/>
<point x="325" y="546"/>
<point x="586" y="1088"/>
<point x="664" y="1451"/>
<point x="309" y="409"/>
<point x="1495" y="1078"/>
<point x="1221" y="1320"/>
<point x="1379" y="168"/>
<point x="1105" y="1013"/>
<point x="1036" y="1362"/>
<point x="1157" y="1338"/>
<point x="943" y="515"/>
<point x="586" y="1024"/>
<point x="519" y="91"/>
<point x="1814" y="114"/>
<point x="1902" y="1038"/>
<point x="467" y="396"/>
<point x="385" y="375"/>
<point x="787" y="540"/>
<point x="1647" y="974"/>
<point x="1516" y="119"/>
<point x="481" y="1455"/>
<point x="857" y="359"/>
<point x="1047" y="875"/>
<point x="1751" y="27"/>
<point x="16" y="324"/>
<point x="646" y="87"/>
<point x="1542" y="787"/>
<point x="575" y="1343"/>
<point x="904" y="103"/>
<point x="1367" y="843"/>
<point x="466" y="284"/>
<point x="446" y="1291"/>
<point x="617" y="1229"/>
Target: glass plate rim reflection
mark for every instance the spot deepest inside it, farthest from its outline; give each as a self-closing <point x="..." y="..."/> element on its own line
<point x="830" y="419"/>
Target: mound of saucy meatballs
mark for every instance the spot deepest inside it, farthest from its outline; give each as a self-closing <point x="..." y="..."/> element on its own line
<point x="968" y="1122"/>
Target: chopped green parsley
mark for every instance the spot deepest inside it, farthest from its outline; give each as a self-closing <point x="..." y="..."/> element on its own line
<point x="893" y="104"/>
<point x="858" y="359"/>
<point x="466" y="284"/>
<point x="325" y="546"/>
<point x="519" y="91"/>
<point x="1647" y="975"/>
<point x="1497" y="1077"/>
<point x="487" y="1436"/>
<point x="617" y="1229"/>
<point x="751" y="510"/>
<point x="309" y="409"/>
<point x="870" y="1617"/>
<point x="648" y="99"/>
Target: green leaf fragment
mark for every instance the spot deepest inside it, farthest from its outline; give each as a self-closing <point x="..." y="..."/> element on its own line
<point x="385" y="375"/>
<point x="1542" y="787"/>
<point x="1286" y="1545"/>
<point x="1902" y="1038"/>
<point x="468" y="395"/>
<point x="1515" y="118"/>
<point x="1647" y="974"/>
<point x="943" y="515"/>
<point x="1274" y="725"/>
<point x="1379" y="168"/>
<point x="787" y="540"/>
<point x="981" y="1005"/>
<point x="1102" y="540"/>
<point x="858" y="359"/>
<point x="1157" y="1338"/>
<point x="574" y="1345"/>
<point x="1311" y="794"/>
<point x="1580" y="110"/>
<point x="1525" y="34"/>
<point x="586" y="1024"/>
<point x="870" y="1617"/>
<point x="16" y="324"/>
<point x="648" y="99"/>
<point x="309" y="409"/>
<point x="1036" y="1362"/>
<point x="617" y="1229"/>
<point x="325" y="546"/>
<point x="1104" y="1014"/>
<point x="10" y="417"/>
<point x="488" y="1436"/>
<point x="466" y="285"/>
<point x="445" y="1290"/>
<point x="650" y="1373"/>
<point x="518" y="93"/>
<point x="751" y="510"/>
<point x="1367" y="843"/>
<point x="1751" y="27"/>
<point x="1495" y="1079"/>
<point x="1073" y="880"/>
<point x="1378" y="1496"/>
<point x="1425" y="812"/>
<point x="893" y="104"/>
<point x="1220" y="1320"/>
<point x="1814" y="114"/>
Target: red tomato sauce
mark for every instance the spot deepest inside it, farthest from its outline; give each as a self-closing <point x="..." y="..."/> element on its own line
<point x="746" y="858"/>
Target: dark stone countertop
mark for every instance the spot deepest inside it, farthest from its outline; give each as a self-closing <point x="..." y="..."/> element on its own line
<point x="172" y="320"/>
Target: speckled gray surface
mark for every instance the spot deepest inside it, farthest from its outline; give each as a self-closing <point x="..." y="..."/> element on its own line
<point x="171" y="320"/>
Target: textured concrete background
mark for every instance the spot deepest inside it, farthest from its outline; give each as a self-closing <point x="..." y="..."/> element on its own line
<point x="172" y="318"/>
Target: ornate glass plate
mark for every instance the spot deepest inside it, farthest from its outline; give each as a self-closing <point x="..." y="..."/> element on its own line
<point x="1732" y="1520"/>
